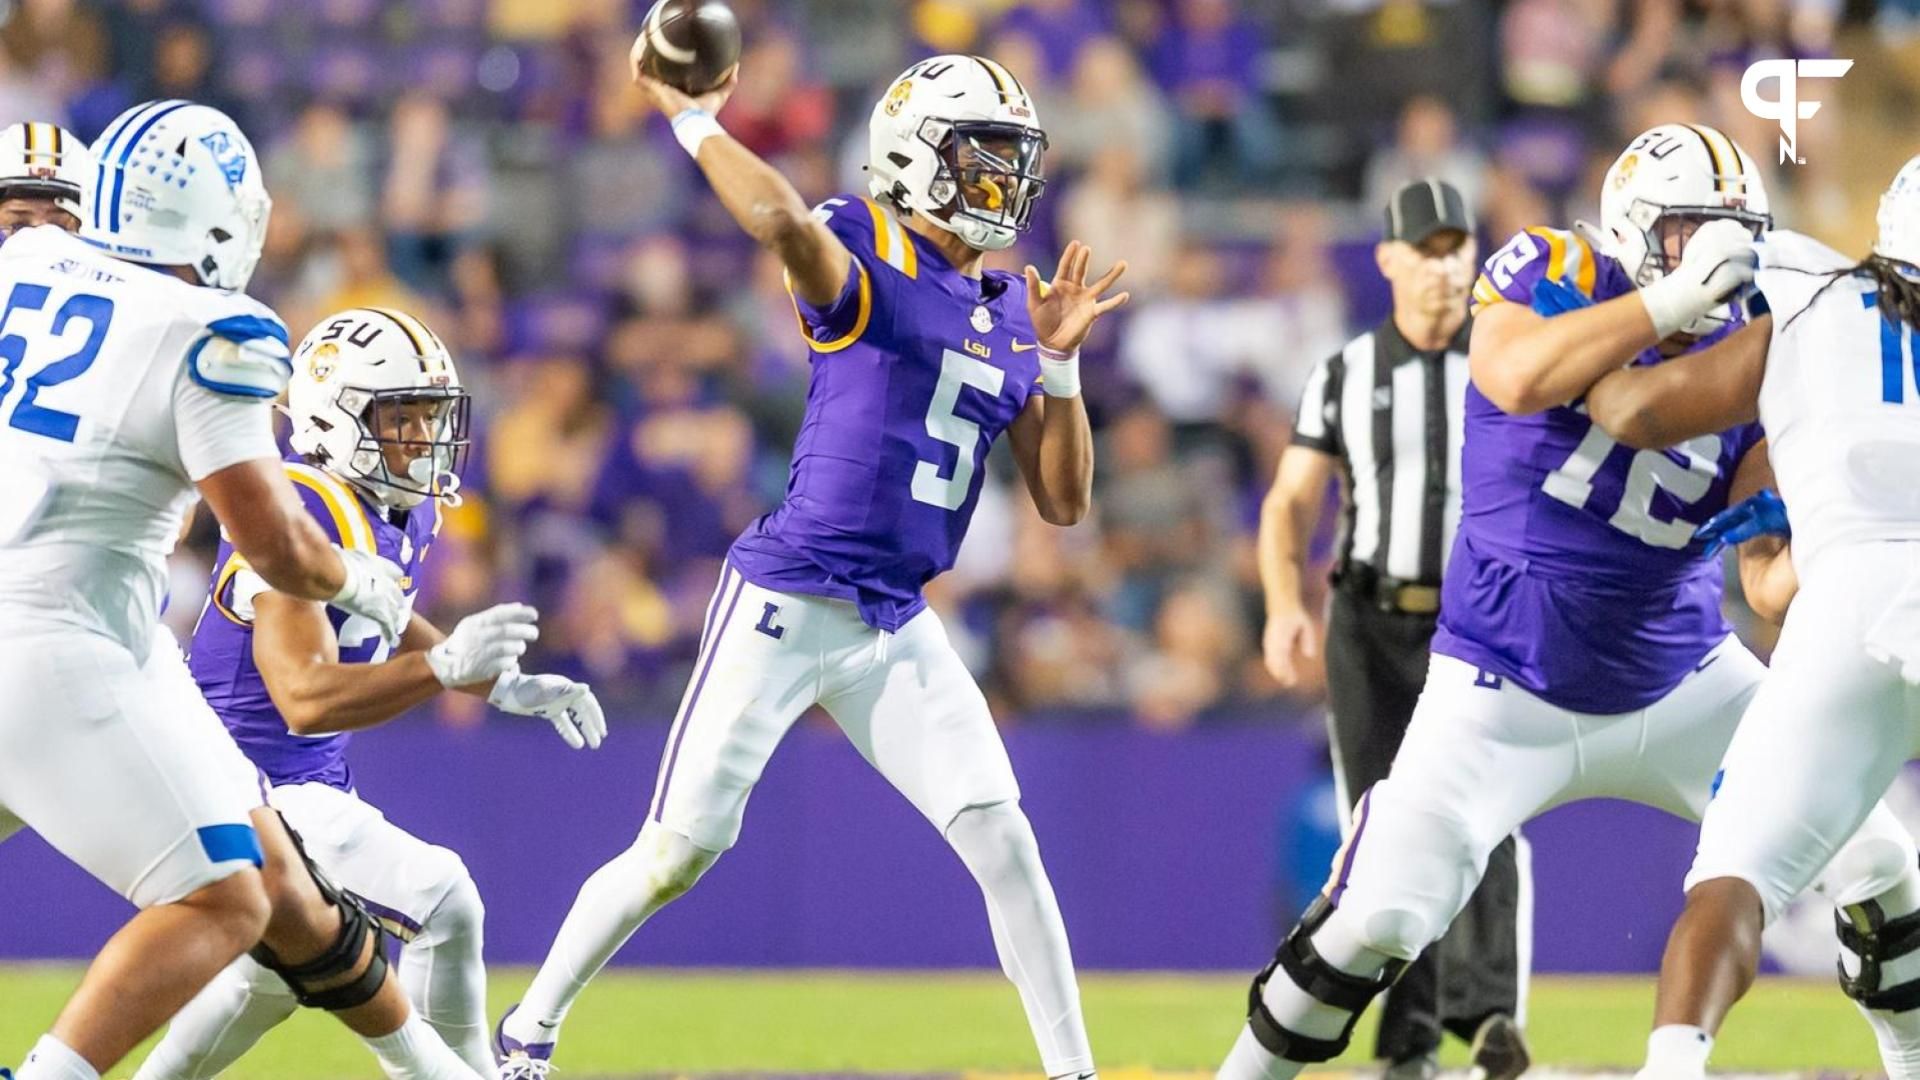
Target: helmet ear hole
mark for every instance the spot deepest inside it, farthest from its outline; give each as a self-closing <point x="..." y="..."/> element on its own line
<point x="900" y="160"/>
<point x="220" y="236"/>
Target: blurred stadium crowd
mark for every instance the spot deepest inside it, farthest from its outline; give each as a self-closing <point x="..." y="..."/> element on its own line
<point x="636" y="374"/>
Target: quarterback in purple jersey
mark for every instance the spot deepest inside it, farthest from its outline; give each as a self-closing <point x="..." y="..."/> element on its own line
<point x="1580" y="652"/>
<point x="379" y="431"/>
<point x="921" y="359"/>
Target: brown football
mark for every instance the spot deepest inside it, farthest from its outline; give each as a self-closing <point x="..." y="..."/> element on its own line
<point x="690" y="45"/>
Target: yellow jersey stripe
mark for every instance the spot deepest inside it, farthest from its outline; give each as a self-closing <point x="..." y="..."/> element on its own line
<point x="1585" y="277"/>
<point x="890" y="241"/>
<point x="1556" y="250"/>
<point x="1485" y="295"/>
<point x="349" y="517"/>
<point x="859" y="324"/>
<point x="882" y="239"/>
<point x="235" y="564"/>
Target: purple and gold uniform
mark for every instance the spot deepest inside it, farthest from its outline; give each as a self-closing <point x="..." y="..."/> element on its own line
<point x="917" y="369"/>
<point x="222" y="653"/>
<point x="1575" y="573"/>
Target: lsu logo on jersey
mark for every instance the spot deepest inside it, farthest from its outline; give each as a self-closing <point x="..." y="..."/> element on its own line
<point x="230" y="158"/>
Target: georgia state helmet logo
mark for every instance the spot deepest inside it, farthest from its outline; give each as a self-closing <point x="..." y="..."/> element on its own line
<point x="897" y="97"/>
<point x="228" y="155"/>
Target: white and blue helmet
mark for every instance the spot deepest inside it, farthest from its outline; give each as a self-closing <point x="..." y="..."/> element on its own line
<point x="177" y="184"/>
<point x="1899" y="218"/>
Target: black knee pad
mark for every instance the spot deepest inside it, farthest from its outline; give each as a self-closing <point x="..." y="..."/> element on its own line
<point x="1319" y="980"/>
<point x="339" y="959"/>
<point x="1875" y="939"/>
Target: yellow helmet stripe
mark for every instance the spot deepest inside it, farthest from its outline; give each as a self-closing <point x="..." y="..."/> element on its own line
<point x="1006" y="78"/>
<point x="999" y="77"/>
<point x="1726" y="162"/>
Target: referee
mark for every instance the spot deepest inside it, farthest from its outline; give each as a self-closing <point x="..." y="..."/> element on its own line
<point x="1385" y="414"/>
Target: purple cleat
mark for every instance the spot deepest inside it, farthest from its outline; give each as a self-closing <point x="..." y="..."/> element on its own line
<point x="518" y="1060"/>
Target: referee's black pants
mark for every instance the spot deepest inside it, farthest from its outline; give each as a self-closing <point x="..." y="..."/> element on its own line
<point x="1376" y="665"/>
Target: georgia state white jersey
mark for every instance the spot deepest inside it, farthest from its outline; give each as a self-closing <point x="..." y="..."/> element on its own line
<point x="1840" y="401"/>
<point x="120" y="387"/>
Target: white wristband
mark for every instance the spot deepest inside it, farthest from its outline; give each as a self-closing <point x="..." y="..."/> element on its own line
<point x="1060" y="372"/>
<point x="693" y="127"/>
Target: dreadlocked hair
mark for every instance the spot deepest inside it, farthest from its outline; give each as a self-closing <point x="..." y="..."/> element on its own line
<point x="1897" y="282"/>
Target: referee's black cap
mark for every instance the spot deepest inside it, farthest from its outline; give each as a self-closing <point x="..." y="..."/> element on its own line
<point x="1425" y="207"/>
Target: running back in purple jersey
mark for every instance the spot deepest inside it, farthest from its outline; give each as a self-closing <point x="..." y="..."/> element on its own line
<point x="917" y="369"/>
<point x="1575" y="572"/>
<point x="222" y="653"/>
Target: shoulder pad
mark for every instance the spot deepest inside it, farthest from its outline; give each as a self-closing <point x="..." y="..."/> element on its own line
<point x="868" y="229"/>
<point x="244" y="351"/>
<point x="333" y="504"/>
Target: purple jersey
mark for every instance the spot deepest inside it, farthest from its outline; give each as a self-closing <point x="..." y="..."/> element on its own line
<point x="1575" y="572"/>
<point x="222" y="653"/>
<point x="917" y="369"/>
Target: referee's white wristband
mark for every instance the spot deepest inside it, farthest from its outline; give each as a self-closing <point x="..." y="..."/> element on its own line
<point x="1060" y="372"/>
<point x="693" y="127"/>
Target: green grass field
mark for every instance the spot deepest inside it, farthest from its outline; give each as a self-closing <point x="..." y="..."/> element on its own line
<point x="654" y="1022"/>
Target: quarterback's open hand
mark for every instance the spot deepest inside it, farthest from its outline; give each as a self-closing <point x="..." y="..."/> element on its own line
<point x="1761" y="514"/>
<point x="671" y="101"/>
<point x="1063" y="310"/>
<point x="569" y="706"/>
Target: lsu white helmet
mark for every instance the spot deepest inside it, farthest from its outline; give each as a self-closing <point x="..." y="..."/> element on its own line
<point x="177" y="184"/>
<point x="956" y="139"/>
<point x="376" y="401"/>
<point x="1899" y="218"/>
<point x="45" y="161"/>
<point x="1667" y="183"/>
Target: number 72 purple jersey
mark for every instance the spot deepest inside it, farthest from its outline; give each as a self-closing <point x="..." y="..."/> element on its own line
<point x="1575" y="572"/>
<point x="917" y="369"/>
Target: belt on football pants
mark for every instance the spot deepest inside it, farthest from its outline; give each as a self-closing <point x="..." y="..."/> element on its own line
<point x="1390" y="594"/>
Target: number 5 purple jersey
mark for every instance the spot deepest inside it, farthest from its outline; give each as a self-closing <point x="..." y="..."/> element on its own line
<point x="1575" y="572"/>
<point x="917" y="369"/>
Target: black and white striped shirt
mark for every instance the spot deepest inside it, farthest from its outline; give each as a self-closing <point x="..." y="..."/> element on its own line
<point x="1392" y="415"/>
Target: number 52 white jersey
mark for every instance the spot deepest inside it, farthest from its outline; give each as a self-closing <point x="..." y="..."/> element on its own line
<point x="120" y="387"/>
<point x="1840" y="401"/>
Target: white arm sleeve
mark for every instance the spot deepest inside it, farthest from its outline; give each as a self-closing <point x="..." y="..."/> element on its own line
<point x="215" y="431"/>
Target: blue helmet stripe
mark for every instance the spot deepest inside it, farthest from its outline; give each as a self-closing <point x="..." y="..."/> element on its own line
<point x="126" y="154"/>
<point x="114" y="131"/>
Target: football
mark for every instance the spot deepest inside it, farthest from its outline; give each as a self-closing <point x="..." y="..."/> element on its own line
<point x="691" y="45"/>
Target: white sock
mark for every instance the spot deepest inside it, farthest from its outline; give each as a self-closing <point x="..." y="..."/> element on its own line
<point x="998" y="847"/>
<point x="658" y="867"/>
<point x="52" y="1059"/>
<point x="1675" y="1050"/>
<point x="1248" y="1060"/>
<point x="443" y="974"/>
<point x="415" y="1052"/>
<point x="221" y="1023"/>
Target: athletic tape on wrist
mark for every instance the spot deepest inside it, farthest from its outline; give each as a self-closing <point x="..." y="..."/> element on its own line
<point x="693" y="127"/>
<point x="1060" y="372"/>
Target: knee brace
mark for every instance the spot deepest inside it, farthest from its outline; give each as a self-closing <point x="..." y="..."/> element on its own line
<point x="316" y="984"/>
<point x="1876" y="940"/>
<point x="1319" y="980"/>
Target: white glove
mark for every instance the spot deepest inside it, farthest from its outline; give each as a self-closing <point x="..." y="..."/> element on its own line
<point x="484" y="644"/>
<point x="1718" y="260"/>
<point x="569" y="706"/>
<point x="372" y="591"/>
